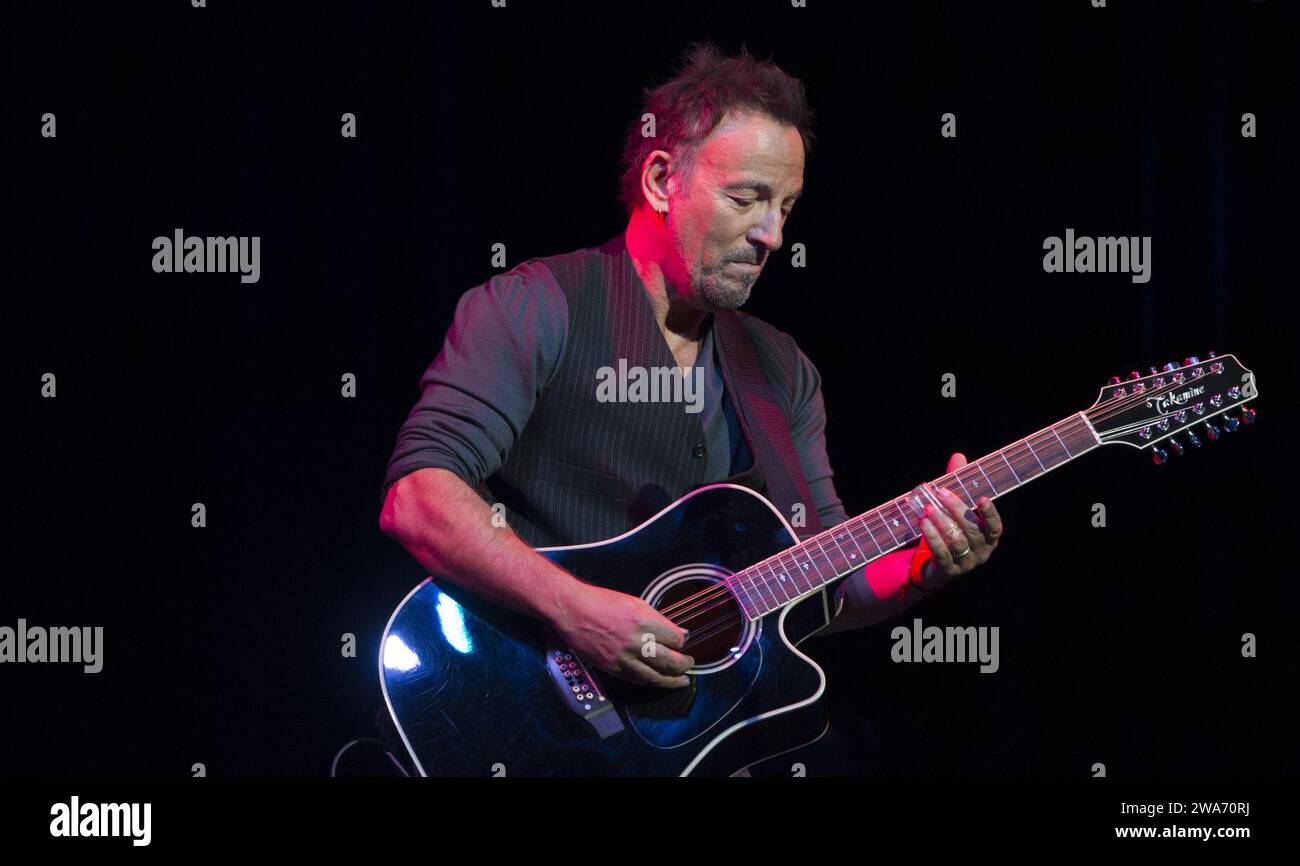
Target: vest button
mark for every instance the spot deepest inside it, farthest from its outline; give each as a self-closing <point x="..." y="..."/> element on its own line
<point x="699" y="451"/>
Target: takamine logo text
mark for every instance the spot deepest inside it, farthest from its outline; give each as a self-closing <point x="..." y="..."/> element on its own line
<point x="1166" y="403"/>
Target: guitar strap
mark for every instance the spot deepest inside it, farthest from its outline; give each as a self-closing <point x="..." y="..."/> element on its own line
<point x="764" y="424"/>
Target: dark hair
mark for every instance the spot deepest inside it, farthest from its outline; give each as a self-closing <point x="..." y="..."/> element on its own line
<point x="688" y="107"/>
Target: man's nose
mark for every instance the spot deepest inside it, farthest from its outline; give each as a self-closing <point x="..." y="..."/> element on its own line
<point x="767" y="230"/>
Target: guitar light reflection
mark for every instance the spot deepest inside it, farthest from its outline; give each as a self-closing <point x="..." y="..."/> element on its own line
<point x="452" y="620"/>
<point x="398" y="656"/>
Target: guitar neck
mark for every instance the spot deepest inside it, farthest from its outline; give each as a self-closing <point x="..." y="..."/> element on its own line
<point x="808" y="566"/>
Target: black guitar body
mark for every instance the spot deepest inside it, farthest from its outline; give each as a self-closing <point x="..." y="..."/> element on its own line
<point x="478" y="691"/>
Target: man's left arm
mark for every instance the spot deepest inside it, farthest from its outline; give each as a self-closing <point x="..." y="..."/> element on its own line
<point x="955" y="539"/>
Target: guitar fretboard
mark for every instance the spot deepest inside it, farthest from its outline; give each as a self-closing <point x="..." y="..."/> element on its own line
<point x="806" y="567"/>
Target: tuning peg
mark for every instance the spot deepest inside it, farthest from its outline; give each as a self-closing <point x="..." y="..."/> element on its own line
<point x="1193" y="438"/>
<point x="1247" y="415"/>
<point x="1135" y="375"/>
<point x="1113" y="380"/>
<point x="1211" y="432"/>
<point x="1170" y="366"/>
<point x="1190" y="360"/>
<point x="1230" y="424"/>
<point x="1213" y="354"/>
<point x="1159" y="456"/>
<point x="1153" y="370"/>
<point x="1176" y="446"/>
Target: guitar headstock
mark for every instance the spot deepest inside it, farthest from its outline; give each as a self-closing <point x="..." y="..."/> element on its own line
<point x="1186" y="399"/>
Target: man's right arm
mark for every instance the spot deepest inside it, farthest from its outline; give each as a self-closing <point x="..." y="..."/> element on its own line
<point x="450" y="530"/>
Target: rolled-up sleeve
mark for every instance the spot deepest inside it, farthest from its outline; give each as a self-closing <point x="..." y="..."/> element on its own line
<point x="502" y="348"/>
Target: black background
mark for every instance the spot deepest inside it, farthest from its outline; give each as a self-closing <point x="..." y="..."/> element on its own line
<point x="478" y="125"/>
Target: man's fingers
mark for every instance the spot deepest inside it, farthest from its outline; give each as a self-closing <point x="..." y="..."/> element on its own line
<point x="938" y="547"/>
<point x="959" y="541"/>
<point x="992" y="520"/>
<point x="667" y="661"/>
<point x="665" y="631"/>
<point x="638" y="671"/>
<point x="957" y="511"/>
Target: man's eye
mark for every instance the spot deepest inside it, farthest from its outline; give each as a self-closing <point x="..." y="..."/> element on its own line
<point x="741" y="201"/>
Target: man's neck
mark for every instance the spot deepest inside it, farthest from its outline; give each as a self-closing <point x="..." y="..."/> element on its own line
<point x="649" y="246"/>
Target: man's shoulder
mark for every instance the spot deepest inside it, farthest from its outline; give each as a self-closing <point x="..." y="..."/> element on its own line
<point x="772" y="343"/>
<point x="543" y="278"/>
<point x="579" y="258"/>
<point x="788" y="368"/>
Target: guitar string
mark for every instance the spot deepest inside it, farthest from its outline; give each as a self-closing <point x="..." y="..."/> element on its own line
<point x="730" y="622"/>
<point x="720" y="598"/>
<point x="691" y="603"/>
<point x="720" y="594"/>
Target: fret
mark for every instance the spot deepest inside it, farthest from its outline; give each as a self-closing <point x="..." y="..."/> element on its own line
<point x="792" y="570"/>
<point x="1054" y="454"/>
<point x="749" y="589"/>
<point x="1086" y="427"/>
<point x="901" y="523"/>
<point x="1084" y="435"/>
<point x="905" y="525"/>
<point x="1028" y="468"/>
<point x="1062" y="441"/>
<point x="887" y="526"/>
<point x="854" y="557"/>
<point x="872" y="533"/>
<point x="957" y="475"/>
<point x="742" y="595"/>
<point x="754" y="576"/>
<point x="1030" y="449"/>
<point x="801" y="570"/>
<point x="822" y="550"/>
<point x="1003" y="455"/>
<point x="781" y="582"/>
<point x="980" y="465"/>
<point x="958" y="491"/>
<point x="784" y="580"/>
<point x="847" y="558"/>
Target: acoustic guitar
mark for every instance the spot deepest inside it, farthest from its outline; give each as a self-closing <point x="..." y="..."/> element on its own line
<point x="476" y="690"/>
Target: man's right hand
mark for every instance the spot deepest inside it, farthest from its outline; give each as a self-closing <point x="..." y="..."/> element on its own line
<point x="624" y="636"/>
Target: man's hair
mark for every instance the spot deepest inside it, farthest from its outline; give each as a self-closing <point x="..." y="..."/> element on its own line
<point x="688" y="107"/>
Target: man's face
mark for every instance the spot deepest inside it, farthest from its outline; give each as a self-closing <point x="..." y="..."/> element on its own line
<point x="727" y="213"/>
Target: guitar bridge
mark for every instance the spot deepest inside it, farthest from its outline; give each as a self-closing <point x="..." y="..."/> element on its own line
<point x="580" y="692"/>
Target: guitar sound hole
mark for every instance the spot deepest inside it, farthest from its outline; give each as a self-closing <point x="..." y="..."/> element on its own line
<point x="718" y="627"/>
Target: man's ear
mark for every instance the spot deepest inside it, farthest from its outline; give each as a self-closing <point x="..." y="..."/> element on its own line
<point x="656" y="180"/>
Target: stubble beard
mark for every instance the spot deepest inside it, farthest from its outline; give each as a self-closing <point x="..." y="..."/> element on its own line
<point x="727" y="293"/>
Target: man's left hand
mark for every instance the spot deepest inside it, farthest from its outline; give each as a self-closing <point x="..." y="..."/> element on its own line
<point x="959" y="538"/>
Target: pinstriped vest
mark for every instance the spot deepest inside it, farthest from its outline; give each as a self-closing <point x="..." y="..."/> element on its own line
<point x="582" y="470"/>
